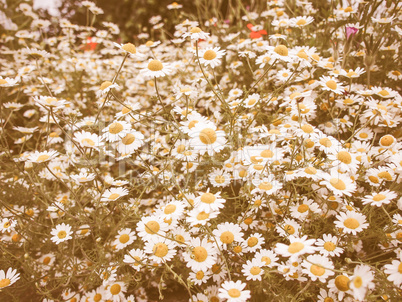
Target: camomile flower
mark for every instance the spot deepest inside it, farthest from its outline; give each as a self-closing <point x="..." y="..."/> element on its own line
<point x="41" y="157"/>
<point x="264" y="59"/>
<point x="326" y="296"/>
<point x="340" y="286"/>
<point x="328" y="246"/>
<point x="254" y="242"/>
<point x="361" y="281"/>
<point x="8" y="278"/>
<point x="351" y="222"/>
<point x="304" y="208"/>
<point x="380" y="198"/>
<point x="280" y="52"/>
<point x="201" y="256"/>
<point x="219" y="178"/>
<point x="253" y="270"/>
<point x="113" y="194"/>
<point x="234" y="291"/>
<point x="151" y="226"/>
<point x="266" y="185"/>
<point x="105" y="88"/>
<point x="339" y="184"/>
<point x="209" y="202"/>
<point x="130" y="49"/>
<point x="393" y="270"/>
<point x="160" y="249"/>
<point x="318" y="267"/>
<point x="227" y="233"/>
<point x="8" y="82"/>
<point x="206" y="139"/>
<point x="267" y="257"/>
<point x="130" y="142"/>
<point x="116" y="131"/>
<point x="344" y="160"/>
<point x="251" y="100"/>
<point x="297" y="247"/>
<point x="115" y="291"/>
<point x="196" y="33"/>
<point x="135" y="258"/>
<point x="124" y="238"/>
<point x="87" y="139"/>
<point x="200" y="277"/>
<point x="301" y="21"/>
<point x="211" y="56"/>
<point x="288" y="227"/>
<point x="331" y="84"/>
<point x="83" y="177"/>
<point x="199" y="217"/>
<point x="351" y="74"/>
<point x="61" y="232"/>
<point x="156" y="69"/>
<point x="7" y="225"/>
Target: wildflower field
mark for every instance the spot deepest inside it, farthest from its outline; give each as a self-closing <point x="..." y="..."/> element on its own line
<point x="242" y="151"/>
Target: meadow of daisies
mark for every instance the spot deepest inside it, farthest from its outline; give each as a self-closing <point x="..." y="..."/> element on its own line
<point x="251" y="157"/>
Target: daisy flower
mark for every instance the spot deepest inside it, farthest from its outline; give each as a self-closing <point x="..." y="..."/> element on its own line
<point x="378" y="199"/>
<point x="331" y="84"/>
<point x="206" y="139"/>
<point x="339" y="184"/>
<point x="297" y="247"/>
<point x="267" y="257"/>
<point x="105" y="88"/>
<point x="227" y="233"/>
<point x="87" y="139"/>
<point x="219" y="178"/>
<point x="113" y="194"/>
<point x="156" y="69"/>
<point x="202" y="255"/>
<point x="115" y="291"/>
<point x="361" y="280"/>
<point x="116" y="131"/>
<point x="41" y="157"/>
<point x="280" y="52"/>
<point x="196" y="33"/>
<point x="251" y="100"/>
<point x="340" y="286"/>
<point x="8" y="278"/>
<point x="49" y="102"/>
<point x="301" y="21"/>
<point x="211" y="56"/>
<point x="130" y="142"/>
<point x="136" y="258"/>
<point x="325" y="296"/>
<point x="83" y="177"/>
<point x="151" y="226"/>
<point x="234" y="291"/>
<point x="328" y="246"/>
<point x="351" y="222"/>
<point x="124" y="238"/>
<point x="199" y="217"/>
<point x="7" y="225"/>
<point x="393" y="270"/>
<point x="264" y="59"/>
<point x="254" y="242"/>
<point x="209" y="202"/>
<point x="62" y="232"/>
<point x="266" y="185"/>
<point x="318" y="267"/>
<point x="160" y="249"/>
<point x="252" y="270"/>
<point x="288" y="227"/>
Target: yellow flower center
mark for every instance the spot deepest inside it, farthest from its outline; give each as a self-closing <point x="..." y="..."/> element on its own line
<point x="97" y="297"/>
<point x="129" y="47"/>
<point x="267" y="153"/>
<point x="400" y="268"/>
<point x="383" y="93"/>
<point x="199" y="275"/>
<point x="385" y="175"/>
<point x="387" y="140"/>
<point x="234" y="293"/>
<point x="266" y="259"/>
<point x="329" y="246"/>
<point x="252" y="241"/>
<point x="160" y="250"/>
<point x="207" y="136"/>
<point x="195" y="30"/>
<point x="307" y="128"/>
<point x="128" y="139"/>
<point x="357" y="282"/>
<point x="379" y="197"/>
<point x="289" y="229"/>
<point x="331" y="84"/>
<point x="317" y="270"/>
<point x="295" y="247"/>
<point x="115" y="128"/>
<point x="301" y="22"/>
<point x="179" y="238"/>
<point x="42" y="158"/>
<point x="338" y="184"/>
<point x="209" y="55"/>
<point x="326" y="142"/>
<point x="114" y="196"/>
<point x="105" y="85"/>
<point x="348" y="9"/>
<point x="46" y="260"/>
<point x="281" y="50"/>
<point x="342" y="283"/>
<point x="152" y="227"/>
<point x="265" y="186"/>
<point x="220" y="179"/>
<point x="344" y="157"/>
<point x="227" y="237"/>
<point x="237" y="249"/>
<point x="155" y="65"/>
<point x="62" y="234"/>
<point x="124" y="238"/>
<point x="88" y="142"/>
<point x="199" y="254"/>
<point x="255" y="270"/>
<point x="2" y="82"/>
<point x="202" y="215"/>
<point x="351" y="223"/>
<point x="303" y="208"/>
<point x="310" y="170"/>
<point x="4" y="282"/>
<point x="170" y="209"/>
<point x="208" y="198"/>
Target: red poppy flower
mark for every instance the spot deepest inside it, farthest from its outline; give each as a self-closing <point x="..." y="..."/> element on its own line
<point x="90" y="44"/>
<point x="256" y="34"/>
